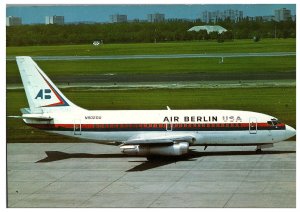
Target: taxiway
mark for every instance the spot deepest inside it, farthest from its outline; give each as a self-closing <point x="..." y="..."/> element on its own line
<point x="95" y="175"/>
<point x="161" y="56"/>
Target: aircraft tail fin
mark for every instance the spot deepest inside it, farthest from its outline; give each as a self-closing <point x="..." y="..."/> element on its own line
<point x="41" y="93"/>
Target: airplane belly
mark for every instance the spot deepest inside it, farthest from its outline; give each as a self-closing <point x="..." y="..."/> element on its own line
<point x="235" y="138"/>
<point x="98" y="136"/>
<point x="201" y="137"/>
<point x="109" y="136"/>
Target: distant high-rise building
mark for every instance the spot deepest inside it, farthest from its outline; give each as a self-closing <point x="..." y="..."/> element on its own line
<point x="268" y="17"/>
<point x="233" y="15"/>
<point x="156" y="17"/>
<point x="214" y="16"/>
<point x="282" y="14"/>
<point x="206" y="16"/>
<point x="116" y="18"/>
<point x="55" y="20"/>
<point x="13" y="21"/>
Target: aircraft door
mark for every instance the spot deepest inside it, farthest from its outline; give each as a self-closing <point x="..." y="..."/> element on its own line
<point x="169" y="123"/>
<point x="252" y="125"/>
<point x="169" y="126"/>
<point x="77" y="127"/>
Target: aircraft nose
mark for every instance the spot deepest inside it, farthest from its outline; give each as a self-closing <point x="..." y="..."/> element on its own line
<point x="289" y="131"/>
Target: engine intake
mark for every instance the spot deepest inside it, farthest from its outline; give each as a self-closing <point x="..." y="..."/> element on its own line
<point x="176" y="149"/>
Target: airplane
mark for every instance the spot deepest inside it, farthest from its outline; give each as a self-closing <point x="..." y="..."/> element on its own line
<point x="147" y="133"/>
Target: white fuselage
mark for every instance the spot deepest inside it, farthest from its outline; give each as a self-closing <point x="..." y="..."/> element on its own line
<point x="208" y="127"/>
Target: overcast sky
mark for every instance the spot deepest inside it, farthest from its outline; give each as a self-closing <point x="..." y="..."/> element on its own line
<point x="100" y="13"/>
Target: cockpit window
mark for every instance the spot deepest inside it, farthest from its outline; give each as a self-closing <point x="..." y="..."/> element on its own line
<point x="274" y="122"/>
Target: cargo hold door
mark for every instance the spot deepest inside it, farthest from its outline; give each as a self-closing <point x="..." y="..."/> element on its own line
<point x="77" y="127"/>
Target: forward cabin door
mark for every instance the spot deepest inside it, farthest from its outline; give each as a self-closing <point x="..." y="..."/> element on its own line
<point x="77" y="127"/>
<point x="252" y="125"/>
<point x="169" y="126"/>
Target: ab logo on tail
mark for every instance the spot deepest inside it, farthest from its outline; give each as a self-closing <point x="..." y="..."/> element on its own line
<point x="44" y="94"/>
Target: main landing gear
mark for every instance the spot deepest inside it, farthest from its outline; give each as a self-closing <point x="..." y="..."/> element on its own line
<point x="258" y="150"/>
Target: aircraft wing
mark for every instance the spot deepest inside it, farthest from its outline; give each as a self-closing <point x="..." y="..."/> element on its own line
<point x="160" y="140"/>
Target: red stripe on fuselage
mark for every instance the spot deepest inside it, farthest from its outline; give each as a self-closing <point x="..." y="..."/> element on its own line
<point x="132" y="127"/>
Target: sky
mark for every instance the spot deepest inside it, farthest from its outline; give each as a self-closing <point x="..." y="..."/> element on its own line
<point x="31" y="14"/>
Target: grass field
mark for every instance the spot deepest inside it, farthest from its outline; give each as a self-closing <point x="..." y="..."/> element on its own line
<point x="270" y="67"/>
<point x="285" y="66"/>
<point x="195" y="47"/>
<point x="65" y="71"/>
<point x="279" y="102"/>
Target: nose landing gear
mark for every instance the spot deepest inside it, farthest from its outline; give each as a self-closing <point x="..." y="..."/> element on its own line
<point x="263" y="146"/>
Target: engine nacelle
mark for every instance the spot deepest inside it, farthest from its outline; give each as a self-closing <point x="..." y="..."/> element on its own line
<point x="170" y="150"/>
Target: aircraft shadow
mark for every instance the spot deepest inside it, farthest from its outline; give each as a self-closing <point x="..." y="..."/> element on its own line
<point x="153" y="162"/>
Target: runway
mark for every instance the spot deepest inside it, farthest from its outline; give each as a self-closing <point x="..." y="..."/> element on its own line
<point x="172" y="85"/>
<point x="95" y="175"/>
<point x="162" y="56"/>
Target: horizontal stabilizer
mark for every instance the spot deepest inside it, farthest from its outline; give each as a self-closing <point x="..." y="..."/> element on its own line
<point x="25" y="110"/>
<point x="32" y="116"/>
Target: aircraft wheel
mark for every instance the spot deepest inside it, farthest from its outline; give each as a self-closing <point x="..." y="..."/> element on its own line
<point x="152" y="158"/>
<point x="258" y="151"/>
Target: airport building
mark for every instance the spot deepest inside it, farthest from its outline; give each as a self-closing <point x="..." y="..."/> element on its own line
<point x="60" y="20"/>
<point x="156" y="17"/>
<point x="208" y="29"/>
<point x="116" y="18"/>
<point x="214" y="16"/>
<point x="13" y="21"/>
<point x="282" y="14"/>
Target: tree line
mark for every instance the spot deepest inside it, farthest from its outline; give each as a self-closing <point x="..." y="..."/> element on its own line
<point x="138" y="32"/>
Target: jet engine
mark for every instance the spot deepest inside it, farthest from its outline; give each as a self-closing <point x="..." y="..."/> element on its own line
<point x="175" y="149"/>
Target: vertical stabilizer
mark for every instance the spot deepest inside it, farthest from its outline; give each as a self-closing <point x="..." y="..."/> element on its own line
<point x="42" y="94"/>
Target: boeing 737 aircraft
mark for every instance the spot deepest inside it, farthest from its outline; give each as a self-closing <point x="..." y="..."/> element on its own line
<point x="143" y="132"/>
